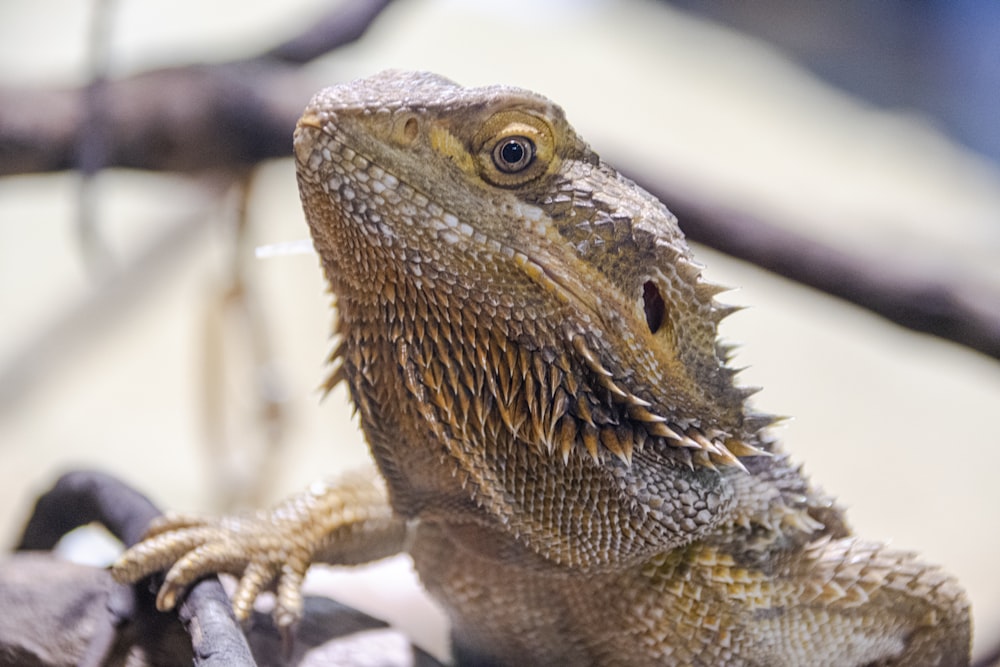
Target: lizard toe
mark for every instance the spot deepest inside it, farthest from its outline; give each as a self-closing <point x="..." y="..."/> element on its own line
<point x="171" y="522"/>
<point x="257" y="577"/>
<point x="288" y="604"/>
<point x="208" y="555"/>
<point x="155" y="554"/>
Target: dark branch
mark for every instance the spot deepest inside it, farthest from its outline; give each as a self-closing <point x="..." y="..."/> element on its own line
<point x="79" y="498"/>
<point x="990" y="659"/>
<point x="82" y="497"/>
<point x="131" y="618"/>
<point x="184" y="119"/>
<point x="963" y="313"/>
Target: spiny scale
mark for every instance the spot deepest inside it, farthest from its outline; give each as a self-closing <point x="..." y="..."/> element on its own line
<point x="533" y="398"/>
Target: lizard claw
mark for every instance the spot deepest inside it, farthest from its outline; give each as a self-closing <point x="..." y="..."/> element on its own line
<point x="261" y="552"/>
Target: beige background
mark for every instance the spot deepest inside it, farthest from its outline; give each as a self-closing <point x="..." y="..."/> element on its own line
<point x="901" y="428"/>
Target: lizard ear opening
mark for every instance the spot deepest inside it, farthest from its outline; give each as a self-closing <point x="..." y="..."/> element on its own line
<point x="653" y="306"/>
<point x="513" y="148"/>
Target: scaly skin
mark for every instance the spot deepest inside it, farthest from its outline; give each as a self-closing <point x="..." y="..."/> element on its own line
<point x="533" y="353"/>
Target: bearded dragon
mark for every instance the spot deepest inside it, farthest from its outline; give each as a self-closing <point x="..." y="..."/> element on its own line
<point x="561" y="446"/>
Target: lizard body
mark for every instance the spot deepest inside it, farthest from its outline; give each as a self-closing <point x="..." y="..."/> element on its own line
<point x="533" y="353"/>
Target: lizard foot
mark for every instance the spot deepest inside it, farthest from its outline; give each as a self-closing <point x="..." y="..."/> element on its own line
<point x="261" y="549"/>
<point x="347" y="523"/>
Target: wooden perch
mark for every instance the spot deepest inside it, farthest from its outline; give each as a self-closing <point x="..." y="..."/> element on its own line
<point x="80" y="498"/>
<point x="112" y="621"/>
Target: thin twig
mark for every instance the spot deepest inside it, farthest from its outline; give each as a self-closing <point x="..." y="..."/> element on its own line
<point x="234" y="319"/>
<point x="92" y="141"/>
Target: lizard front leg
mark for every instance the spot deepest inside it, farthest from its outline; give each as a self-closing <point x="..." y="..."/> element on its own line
<point x="871" y="604"/>
<point x="345" y="523"/>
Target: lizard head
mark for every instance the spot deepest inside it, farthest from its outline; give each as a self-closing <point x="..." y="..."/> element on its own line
<point x="529" y="293"/>
<point x="476" y="196"/>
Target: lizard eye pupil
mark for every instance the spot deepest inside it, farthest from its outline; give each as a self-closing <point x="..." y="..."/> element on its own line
<point x="513" y="154"/>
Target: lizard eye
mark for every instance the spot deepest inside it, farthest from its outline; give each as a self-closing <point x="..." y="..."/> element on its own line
<point x="513" y="154"/>
<point x="513" y="148"/>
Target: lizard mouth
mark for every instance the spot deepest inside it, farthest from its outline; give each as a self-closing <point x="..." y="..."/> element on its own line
<point x="310" y="151"/>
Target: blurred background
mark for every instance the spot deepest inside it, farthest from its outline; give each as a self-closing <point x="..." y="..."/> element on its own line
<point x="141" y="336"/>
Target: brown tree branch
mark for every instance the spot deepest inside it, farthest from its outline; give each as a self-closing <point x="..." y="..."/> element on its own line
<point x="233" y="115"/>
<point x="186" y="118"/>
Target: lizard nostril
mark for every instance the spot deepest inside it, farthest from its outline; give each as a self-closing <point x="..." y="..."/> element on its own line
<point x="410" y="129"/>
<point x="653" y="306"/>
